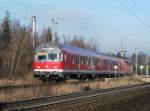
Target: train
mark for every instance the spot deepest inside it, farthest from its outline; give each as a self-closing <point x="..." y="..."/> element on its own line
<point x="56" y="62"/>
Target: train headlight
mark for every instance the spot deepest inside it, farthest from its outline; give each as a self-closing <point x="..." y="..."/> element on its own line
<point x="46" y="66"/>
<point x="55" y="67"/>
<point x="38" y="67"/>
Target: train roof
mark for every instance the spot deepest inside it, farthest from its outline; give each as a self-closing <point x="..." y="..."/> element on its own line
<point x="75" y="50"/>
<point x="80" y="51"/>
<point x="46" y="46"/>
<point x="87" y="52"/>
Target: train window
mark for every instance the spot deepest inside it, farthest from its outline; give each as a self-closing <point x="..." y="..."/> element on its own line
<point x="41" y="57"/>
<point x="92" y="61"/>
<point x="70" y="58"/>
<point x="81" y="59"/>
<point x="105" y="62"/>
<point x="61" y="56"/>
<point x="64" y="56"/>
<point x="84" y="61"/>
<point x="73" y="61"/>
<point x="96" y="62"/>
<point x="89" y="61"/>
<point x="52" y="56"/>
<point x="78" y="59"/>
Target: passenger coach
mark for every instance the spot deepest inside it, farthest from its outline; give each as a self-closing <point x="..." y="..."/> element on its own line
<point x="60" y="62"/>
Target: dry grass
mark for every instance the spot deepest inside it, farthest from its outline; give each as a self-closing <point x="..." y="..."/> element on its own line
<point x="26" y="80"/>
<point x="50" y="90"/>
<point x="110" y="83"/>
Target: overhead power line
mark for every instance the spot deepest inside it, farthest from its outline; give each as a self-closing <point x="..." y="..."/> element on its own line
<point x="20" y="4"/>
<point x="135" y="5"/>
<point x="21" y="16"/>
<point x="139" y="8"/>
<point x="12" y="13"/>
<point x="134" y="14"/>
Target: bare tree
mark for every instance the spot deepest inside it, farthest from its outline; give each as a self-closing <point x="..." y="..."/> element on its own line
<point x="16" y="53"/>
<point x="5" y="40"/>
<point x="48" y="35"/>
<point x="92" y="44"/>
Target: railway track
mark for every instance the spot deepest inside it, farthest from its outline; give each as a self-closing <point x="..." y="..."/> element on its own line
<point x="36" y="104"/>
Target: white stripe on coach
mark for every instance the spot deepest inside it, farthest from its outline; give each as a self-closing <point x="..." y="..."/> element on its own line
<point x="66" y="70"/>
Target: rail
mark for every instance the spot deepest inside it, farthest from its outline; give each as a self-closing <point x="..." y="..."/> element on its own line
<point x="32" y="104"/>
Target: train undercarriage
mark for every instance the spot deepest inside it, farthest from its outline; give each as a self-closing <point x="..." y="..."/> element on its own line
<point x="54" y="77"/>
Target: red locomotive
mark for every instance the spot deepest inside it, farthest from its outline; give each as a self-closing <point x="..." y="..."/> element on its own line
<point x="60" y="62"/>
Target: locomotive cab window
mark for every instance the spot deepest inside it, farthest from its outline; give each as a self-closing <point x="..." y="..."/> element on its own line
<point x="41" y="57"/>
<point x="61" y="58"/>
<point x="52" y="56"/>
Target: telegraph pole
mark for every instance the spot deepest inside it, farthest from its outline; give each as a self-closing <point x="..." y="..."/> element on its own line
<point x="53" y="31"/>
<point x="121" y="47"/>
<point x="136" y="62"/>
<point x="33" y="30"/>
<point x="122" y="52"/>
<point x="147" y="70"/>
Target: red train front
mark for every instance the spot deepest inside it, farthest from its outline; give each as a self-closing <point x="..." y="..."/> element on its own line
<point x="59" y="62"/>
<point x="48" y="62"/>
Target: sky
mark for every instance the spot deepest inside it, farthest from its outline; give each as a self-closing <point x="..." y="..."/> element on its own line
<point x="107" y="21"/>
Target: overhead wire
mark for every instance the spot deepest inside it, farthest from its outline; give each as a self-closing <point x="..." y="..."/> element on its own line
<point x="23" y="17"/>
<point x="139" y="8"/>
<point x="12" y="13"/>
<point x="22" y="5"/>
<point x="135" y="5"/>
<point x="134" y="14"/>
<point x="29" y="7"/>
